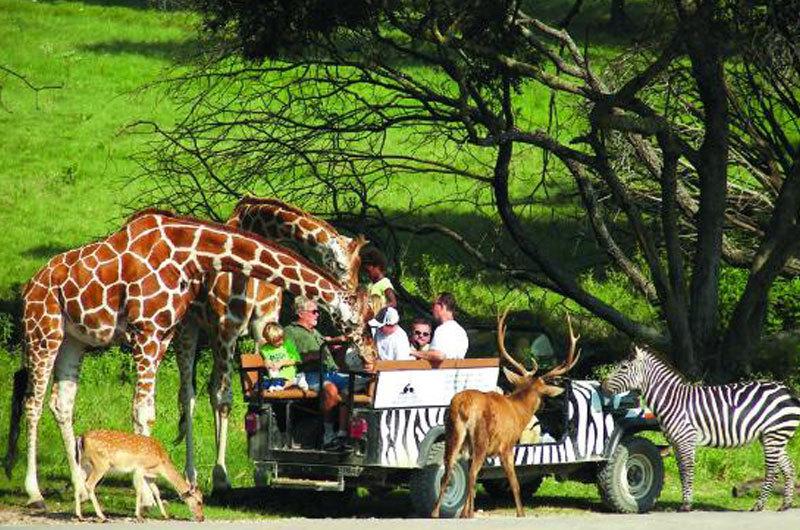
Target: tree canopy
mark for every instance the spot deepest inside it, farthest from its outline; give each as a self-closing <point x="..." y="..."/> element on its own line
<point x="677" y="154"/>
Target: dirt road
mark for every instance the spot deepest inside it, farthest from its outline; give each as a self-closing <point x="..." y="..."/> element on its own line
<point x="656" y="521"/>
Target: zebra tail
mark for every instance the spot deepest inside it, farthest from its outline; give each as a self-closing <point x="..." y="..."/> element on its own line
<point x="17" y="400"/>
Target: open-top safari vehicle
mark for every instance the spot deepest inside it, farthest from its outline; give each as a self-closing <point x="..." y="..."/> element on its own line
<point x="396" y="437"/>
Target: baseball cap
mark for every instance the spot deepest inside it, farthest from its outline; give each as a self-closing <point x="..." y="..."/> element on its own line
<point x="387" y="315"/>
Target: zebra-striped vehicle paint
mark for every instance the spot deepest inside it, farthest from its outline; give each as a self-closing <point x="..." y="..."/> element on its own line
<point x="716" y="416"/>
<point x="404" y="432"/>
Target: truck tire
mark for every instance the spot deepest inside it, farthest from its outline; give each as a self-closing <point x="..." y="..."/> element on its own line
<point x="631" y="480"/>
<point x="425" y="484"/>
<point x="500" y="489"/>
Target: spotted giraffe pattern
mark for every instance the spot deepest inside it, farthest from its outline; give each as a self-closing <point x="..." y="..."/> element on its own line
<point x="236" y="305"/>
<point x="136" y="286"/>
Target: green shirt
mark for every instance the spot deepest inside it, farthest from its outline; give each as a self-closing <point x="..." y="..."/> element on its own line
<point x="307" y="343"/>
<point x="283" y="352"/>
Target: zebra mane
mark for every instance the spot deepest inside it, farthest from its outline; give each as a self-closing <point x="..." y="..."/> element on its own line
<point x="658" y="358"/>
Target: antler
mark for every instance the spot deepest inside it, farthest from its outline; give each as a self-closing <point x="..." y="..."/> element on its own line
<point x="571" y="359"/>
<point x="501" y="346"/>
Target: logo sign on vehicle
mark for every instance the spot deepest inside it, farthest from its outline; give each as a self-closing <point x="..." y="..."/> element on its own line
<point x="430" y="388"/>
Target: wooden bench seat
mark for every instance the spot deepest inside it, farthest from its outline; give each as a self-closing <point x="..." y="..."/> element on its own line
<point x="251" y="363"/>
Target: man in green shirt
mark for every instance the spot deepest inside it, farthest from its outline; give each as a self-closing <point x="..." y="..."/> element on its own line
<point x="304" y="334"/>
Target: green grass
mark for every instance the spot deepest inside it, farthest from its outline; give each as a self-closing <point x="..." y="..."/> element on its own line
<point x="66" y="174"/>
<point x="65" y="166"/>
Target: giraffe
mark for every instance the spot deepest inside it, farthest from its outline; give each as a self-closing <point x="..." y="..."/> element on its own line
<point x="236" y="305"/>
<point x="136" y="285"/>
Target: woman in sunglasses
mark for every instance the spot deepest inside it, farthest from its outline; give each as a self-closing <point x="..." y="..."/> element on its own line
<point x="421" y="334"/>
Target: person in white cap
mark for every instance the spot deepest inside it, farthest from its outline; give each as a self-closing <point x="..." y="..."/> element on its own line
<point x="391" y="340"/>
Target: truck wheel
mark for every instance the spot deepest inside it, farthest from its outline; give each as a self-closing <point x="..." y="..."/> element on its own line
<point x="631" y="480"/>
<point x="425" y="485"/>
<point x="500" y="489"/>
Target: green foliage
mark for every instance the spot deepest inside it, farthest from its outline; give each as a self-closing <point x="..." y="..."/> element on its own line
<point x="6" y="329"/>
<point x="783" y="305"/>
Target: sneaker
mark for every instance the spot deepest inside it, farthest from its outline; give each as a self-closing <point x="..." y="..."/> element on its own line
<point x="334" y="444"/>
<point x="301" y="382"/>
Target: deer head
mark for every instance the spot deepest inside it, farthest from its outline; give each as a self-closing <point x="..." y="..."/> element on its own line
<point x="194" y="500"/>
<point x="522" y="378"/>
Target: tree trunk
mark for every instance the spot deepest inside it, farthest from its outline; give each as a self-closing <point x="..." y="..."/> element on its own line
<point x="707" y="63"/>
<point x="780" y="241"/>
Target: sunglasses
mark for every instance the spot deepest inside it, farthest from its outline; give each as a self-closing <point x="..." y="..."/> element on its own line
<point x="422" y="333"/>
<point x="313" y="311"/>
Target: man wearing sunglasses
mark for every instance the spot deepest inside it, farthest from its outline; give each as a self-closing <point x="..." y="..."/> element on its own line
<point x="449" y="340"/>
<point x="421" y="334"/>
<point x="307" y="339"/>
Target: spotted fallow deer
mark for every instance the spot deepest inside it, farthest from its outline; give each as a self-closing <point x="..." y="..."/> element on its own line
<point x="493" y="423"/>
<point x="100" y="452"/>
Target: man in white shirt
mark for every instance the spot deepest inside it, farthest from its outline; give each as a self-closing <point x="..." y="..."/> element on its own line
<point x="391" y="340"/>
<point x="450" y="340"/>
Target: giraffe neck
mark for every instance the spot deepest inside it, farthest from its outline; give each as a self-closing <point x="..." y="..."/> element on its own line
<point x="200" y="247"/>
<point x="282" y="222"/>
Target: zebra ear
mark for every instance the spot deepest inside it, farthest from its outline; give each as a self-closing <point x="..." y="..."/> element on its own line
<point x="636" y="352"/>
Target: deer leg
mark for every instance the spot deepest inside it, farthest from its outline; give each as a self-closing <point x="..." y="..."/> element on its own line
<point x="185" y="347"/>
<point x="507" y="460"/>
<point x="151" y="483"/>
<point x="94" y="477"/>
<point x="475" y="465"/>
<point x="62" y="405"/>
<point x="451" y="452"/>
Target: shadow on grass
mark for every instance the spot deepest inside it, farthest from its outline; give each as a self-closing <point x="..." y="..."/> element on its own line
<point x="161" y="5"/>
<point x="48" y="250"/>
<point x="175" y="50"/>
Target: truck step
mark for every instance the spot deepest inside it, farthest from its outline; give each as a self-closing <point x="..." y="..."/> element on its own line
<point x="307" y="484"/>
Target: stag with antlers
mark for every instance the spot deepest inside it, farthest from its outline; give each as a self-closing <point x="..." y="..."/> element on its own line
<point x="493" y="423"/>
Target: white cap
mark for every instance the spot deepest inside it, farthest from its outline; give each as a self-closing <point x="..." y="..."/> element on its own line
<point x="387" y="315"/>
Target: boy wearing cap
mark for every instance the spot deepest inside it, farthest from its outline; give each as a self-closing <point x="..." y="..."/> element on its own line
<point x="391" y="341"/>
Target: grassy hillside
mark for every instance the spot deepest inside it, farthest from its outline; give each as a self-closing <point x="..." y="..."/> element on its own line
<point x="66" y="175"/>
<point x="65" y="167"/>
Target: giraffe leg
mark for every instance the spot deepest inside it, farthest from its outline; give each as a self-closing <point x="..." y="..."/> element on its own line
<point x="221" y="395"/>
<point x="42" y="350"/>
<point x="185" y="347"/>
<point x="148" y="352"/>
<point x="62" y="404"/>
<point x="773" y="451"/>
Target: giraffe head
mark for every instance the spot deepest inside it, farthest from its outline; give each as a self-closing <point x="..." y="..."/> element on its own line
<point x="343" y="256"/>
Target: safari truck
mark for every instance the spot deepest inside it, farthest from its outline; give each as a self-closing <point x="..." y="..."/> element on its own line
<point x="396" y="437"/>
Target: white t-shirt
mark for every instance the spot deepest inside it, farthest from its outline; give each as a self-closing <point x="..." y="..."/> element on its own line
<point x="394" y="347"/>
<point x="450" y="339"/>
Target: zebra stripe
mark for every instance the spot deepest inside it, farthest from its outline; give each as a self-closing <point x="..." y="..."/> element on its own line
<point x="716" y="416"/>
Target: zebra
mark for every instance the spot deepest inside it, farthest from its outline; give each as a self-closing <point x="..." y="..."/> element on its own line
<point x="716" y="416"/>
